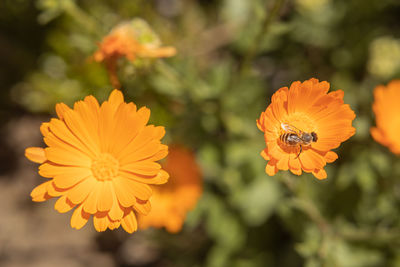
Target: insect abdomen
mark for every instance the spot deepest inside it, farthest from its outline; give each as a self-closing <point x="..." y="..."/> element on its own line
<point x="290" y="139"/>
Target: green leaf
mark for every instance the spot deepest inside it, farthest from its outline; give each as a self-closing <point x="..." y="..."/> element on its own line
<point x="258" y="200"/>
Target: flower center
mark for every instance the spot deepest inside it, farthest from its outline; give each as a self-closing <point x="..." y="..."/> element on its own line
<point x="105" y="167"/>
<point x="302" y="122"/>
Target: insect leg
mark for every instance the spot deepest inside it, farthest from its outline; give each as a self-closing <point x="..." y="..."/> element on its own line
<point x="301" y="149"/>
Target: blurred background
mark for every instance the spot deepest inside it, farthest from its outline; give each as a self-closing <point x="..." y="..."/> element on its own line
<point x="232" y="56"/>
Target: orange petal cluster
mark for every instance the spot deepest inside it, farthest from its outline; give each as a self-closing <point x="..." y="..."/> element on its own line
<point x="100" y="161"/>
<point x="310" y="108"/>
<point x="122" y="42"/>
<point x="387" y="112"/>
<point x="171" y="202"/>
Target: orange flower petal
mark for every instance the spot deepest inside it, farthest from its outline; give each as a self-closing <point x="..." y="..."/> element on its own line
<point x="140" y="190"/>
<point x="44" y="128"/>
<point x="91" y="101"/>
<point x="310" y="159"/>
<point x="160" y="178"/>
<point x="67" y="157"/>
<point x="101" y="222"/>
<point x="38" y="194"/>
<point x="106" y="201"/>
<point x="170" y="202"/>
<point x="296" y="171"/>
<point x="271" y="168"/>
<point x="71" y="176"/>
<point x="79" y="192"/>
<point x="141" y="140"/>
<point x="54" y="191"/>
<point x="87" y="113"/>
<point x="59" y="129"/>
<point x="106" y="126"/>
<point x="125" y="198"/>
<point x="147" y="151"/>
<point x="50" y="169"/>
<point x="302" y="96"/>
<point x="320" y="174"/>
<point x="114" y="224"/>
<point x="162" y="153"/>
<point x="142" y="207"/>
<point x="264" y="154"/>
<point x="283" y="162"/>
<point x="62" y="205"/>
<point x="339" y="94"/>
<point x="116" y="211"/>
<point x="116" y="98"/>
<point x="274" y="151"/>
<point x="294" y="162"/>
<point x="61" y="108"/>
<point x="90" y="204"/>
<point x="126" y="118"/>
<point x="35" y="154"/>
<point x="330" y="156"/>
<point x="386" y="109"/>
<point x="146" y="167"/>
<point x="79" y="129"/>
<point x="79" y="218"/>
<point x="53" y="141"/>
<point x="129" y="222"/>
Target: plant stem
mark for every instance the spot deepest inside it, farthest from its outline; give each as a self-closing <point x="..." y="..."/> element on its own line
<point x="306" y="205"/>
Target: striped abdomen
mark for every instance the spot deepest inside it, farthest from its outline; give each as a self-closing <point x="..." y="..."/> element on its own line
<point x="290" y="139"/>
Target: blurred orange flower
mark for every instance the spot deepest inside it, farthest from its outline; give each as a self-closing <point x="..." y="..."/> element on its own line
<point x="387" y="112"/>
<point x="171" y="202"/>
<point x="123" y="42"/>
<point x="301" y="126"/>
<point x="100" y="161"/>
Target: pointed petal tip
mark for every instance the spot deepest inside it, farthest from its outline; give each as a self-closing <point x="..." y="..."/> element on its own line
<point x="116" y="97"/>
<point x="144" y="111"/>
<point x="162" y="177"/>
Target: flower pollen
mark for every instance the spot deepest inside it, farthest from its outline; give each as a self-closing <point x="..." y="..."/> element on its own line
<point x="105" y="167"/>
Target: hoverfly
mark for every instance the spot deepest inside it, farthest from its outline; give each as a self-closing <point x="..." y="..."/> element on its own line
<point x="294" y="137"/>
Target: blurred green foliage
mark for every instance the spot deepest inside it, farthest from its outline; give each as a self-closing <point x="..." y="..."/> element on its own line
<point x="232" y="56"/>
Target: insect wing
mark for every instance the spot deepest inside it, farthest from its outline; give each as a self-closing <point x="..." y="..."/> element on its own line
<point x="290" y="128"/>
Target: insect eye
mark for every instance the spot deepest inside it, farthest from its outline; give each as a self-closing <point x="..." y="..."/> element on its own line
<point x="314" y="137"/>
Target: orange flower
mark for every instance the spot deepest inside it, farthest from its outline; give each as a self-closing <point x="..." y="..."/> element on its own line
<point x="100" y="161"/>
<point x="171" y="202"/>
<point x="301" y="125"/>
<point x="387" y="112"/>
<point x="123" y="42"/>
